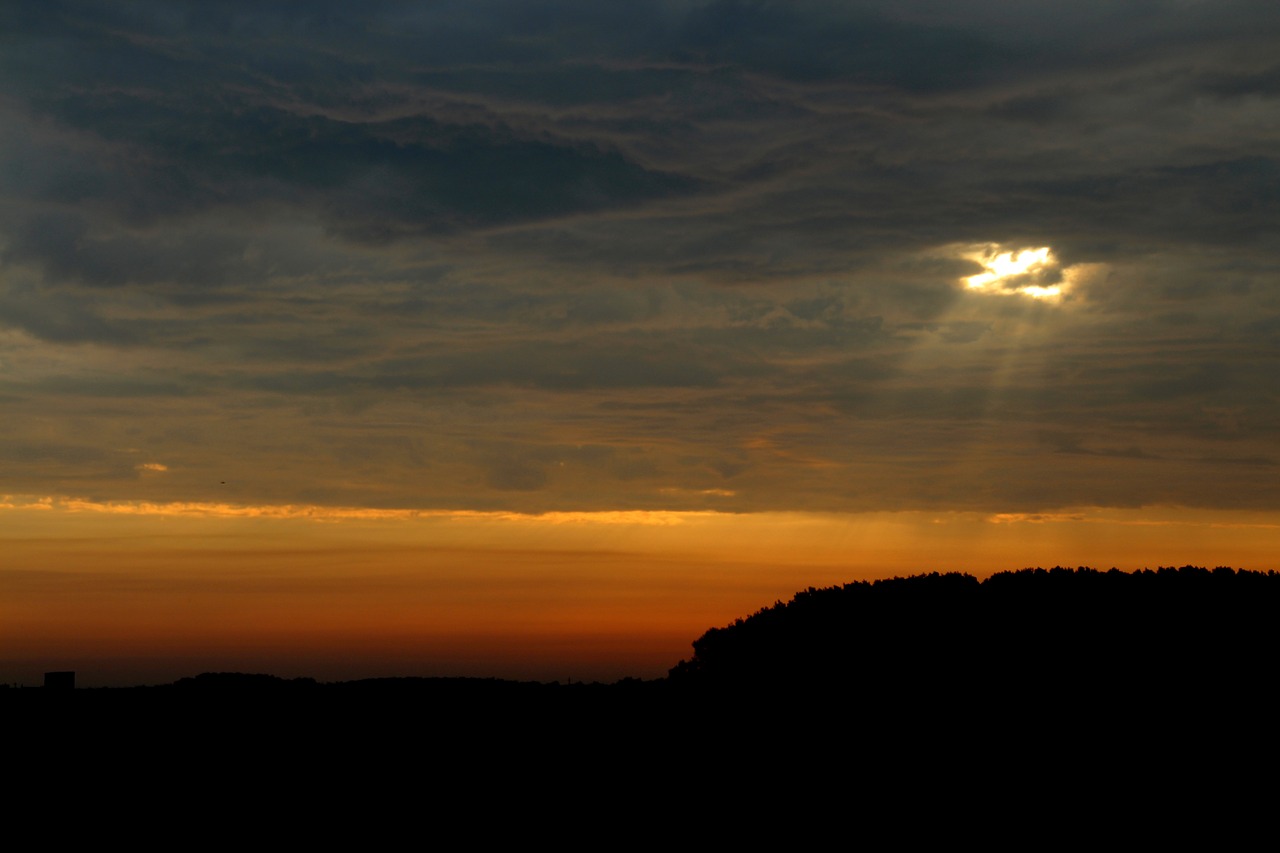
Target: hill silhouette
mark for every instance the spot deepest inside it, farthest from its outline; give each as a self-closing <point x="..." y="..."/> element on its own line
<point x="1029" y="635"/>
<point x="1027" y="703"/>
<point x="1019" y="637"/>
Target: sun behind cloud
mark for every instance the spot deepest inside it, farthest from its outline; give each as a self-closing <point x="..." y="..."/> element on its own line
<point x="1033" y="272"/>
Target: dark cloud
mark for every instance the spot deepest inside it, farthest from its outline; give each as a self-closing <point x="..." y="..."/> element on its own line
<point x="61" y="243"/>
<point x="580" y="255"/>
<point x="60" y="318"/>
<point x="548" y="365"/>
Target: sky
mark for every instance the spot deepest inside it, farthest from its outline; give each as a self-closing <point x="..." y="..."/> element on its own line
<point x="532" y="339"/>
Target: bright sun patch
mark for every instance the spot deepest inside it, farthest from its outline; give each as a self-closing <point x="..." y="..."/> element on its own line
<point x="1030" y="272"/>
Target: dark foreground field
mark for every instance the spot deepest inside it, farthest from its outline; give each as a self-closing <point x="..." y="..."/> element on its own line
<point x="1035" y="707"/>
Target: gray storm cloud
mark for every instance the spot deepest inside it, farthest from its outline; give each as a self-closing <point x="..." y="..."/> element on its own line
<point x="571" y="255"/>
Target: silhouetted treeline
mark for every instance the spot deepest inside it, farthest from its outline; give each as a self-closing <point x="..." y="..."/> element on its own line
<point x="1027" y="635"/>
<point x="1035" y="696"/>
<point x="1030" y="634"/>
<point x="239" y="681"/>
<point x="452" y="688"/>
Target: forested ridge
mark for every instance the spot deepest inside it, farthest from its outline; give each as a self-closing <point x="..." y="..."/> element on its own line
<point x="1033" y="631"/>
<point x="1168" y="633"/>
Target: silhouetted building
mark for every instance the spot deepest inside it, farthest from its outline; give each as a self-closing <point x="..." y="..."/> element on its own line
<point x="60" y="679"/>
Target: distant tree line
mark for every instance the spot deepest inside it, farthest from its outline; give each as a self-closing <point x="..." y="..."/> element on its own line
<point x="1028" y="635"/>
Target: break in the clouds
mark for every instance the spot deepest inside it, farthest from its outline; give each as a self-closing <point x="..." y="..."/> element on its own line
<point x="995" y="255"/>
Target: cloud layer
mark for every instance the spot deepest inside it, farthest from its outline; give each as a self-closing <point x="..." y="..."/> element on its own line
<point x="670" y="255"/>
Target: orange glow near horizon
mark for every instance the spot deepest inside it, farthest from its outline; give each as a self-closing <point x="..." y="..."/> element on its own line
<point x="145" y="593"/>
